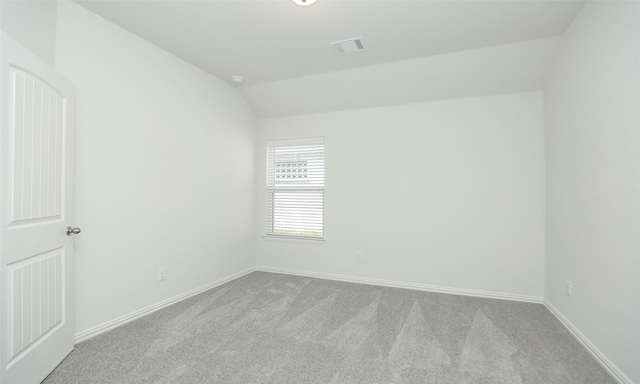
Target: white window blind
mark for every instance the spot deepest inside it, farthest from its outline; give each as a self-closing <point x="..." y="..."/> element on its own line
<point x="295" y="188"/>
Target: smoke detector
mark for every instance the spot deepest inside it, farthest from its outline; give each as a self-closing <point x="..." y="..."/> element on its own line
<point x="237" y="79"/>
<point x="352" y="45"/>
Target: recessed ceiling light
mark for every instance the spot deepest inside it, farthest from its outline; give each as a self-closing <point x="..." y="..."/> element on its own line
<point x="304" y="3"/>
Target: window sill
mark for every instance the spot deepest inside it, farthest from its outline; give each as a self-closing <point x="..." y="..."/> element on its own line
<point x="294" y="239"/>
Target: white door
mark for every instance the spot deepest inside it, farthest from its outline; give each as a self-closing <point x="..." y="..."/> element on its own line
<point x="36" y="194"/>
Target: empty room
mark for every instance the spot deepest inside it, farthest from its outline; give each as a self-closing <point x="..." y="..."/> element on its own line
<point x="320" y="191"/>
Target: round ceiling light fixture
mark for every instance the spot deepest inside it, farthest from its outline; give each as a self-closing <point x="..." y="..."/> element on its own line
<point x="237" y="79"/>
<point x="304" y="3"/>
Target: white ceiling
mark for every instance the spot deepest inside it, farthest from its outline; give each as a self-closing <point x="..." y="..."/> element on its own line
<point x="511" y="68"/>
<point x="273" y="42"/>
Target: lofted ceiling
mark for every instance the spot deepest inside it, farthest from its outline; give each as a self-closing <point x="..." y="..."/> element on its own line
<point x="282" y="49"/>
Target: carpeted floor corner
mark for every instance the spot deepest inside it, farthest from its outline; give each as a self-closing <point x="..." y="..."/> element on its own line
<point x="281" y="329"/>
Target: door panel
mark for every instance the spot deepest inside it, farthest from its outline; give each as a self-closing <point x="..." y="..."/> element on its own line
<point x="36" y="149"/>
<point x="36" y="298"/>
<point x="36" y="195"/>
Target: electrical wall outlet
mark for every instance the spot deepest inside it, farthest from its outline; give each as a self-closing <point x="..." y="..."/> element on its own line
<point x="359" y="256"/>
<point x="569" y="288"/>
<point x="162" y="273"/>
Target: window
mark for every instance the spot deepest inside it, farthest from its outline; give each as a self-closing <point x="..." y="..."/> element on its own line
<point x="295" y="188"/>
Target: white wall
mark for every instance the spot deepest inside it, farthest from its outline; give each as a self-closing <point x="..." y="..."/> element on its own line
<point x="32" y="24"/>
<point x="447" y="193"/>
<point x="165" y="170"/>
<point x="592" y="103"/>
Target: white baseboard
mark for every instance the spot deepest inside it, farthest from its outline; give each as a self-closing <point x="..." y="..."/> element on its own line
<point x="109" y="325"/>
<point x="595" y="352"/>
<point x="398" y="284"/>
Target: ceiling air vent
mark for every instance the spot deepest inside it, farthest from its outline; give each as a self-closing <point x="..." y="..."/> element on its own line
<point x="348" y="46"/>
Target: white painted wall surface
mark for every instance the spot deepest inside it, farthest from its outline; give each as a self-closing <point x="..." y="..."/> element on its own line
<point x="592" y="104"/>
<point x="447" y="193"/>
<point x="165" y="170"/>
<point x="32" y="24"/>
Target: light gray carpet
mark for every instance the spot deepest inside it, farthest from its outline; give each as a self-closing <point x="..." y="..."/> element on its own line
<point x="272" y="328"/>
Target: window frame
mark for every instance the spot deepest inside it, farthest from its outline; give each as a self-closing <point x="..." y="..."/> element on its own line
<point x="308" y="181"/>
